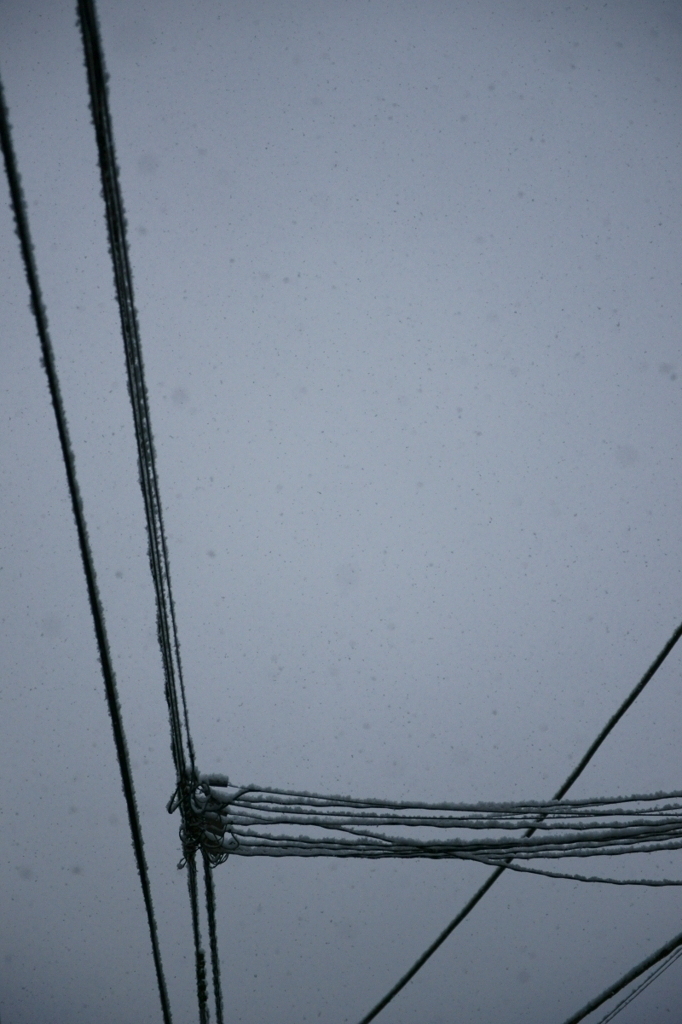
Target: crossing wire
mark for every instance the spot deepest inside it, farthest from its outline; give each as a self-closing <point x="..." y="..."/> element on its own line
<point x="181" y="741"/>
<point x="498" y="872"/>
<point x="110" y="686"/>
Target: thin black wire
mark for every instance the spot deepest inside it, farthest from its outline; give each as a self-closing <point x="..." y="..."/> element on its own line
<point x="651" y="883"/>
<point x="213" y="936"/>
<point x="110" y="687"/>
<point x="631" y="975"/>
<point x="640" y="988"/>
<point x="563" y="789"/>
<point x="202" y="985"/>
<point x="181" y="740"/>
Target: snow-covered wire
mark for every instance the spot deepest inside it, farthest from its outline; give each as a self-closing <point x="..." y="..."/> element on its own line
<point x="252" y="821"/>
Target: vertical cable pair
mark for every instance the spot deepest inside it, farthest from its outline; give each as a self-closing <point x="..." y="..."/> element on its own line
<point x="181" y="740"/>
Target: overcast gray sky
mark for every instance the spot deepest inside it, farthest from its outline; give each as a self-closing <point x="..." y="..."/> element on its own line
<point x="408" y="280"/>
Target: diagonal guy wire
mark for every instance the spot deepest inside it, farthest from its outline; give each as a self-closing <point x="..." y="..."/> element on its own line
<point x="631" y="975"/>
<point x="560" y="793"/>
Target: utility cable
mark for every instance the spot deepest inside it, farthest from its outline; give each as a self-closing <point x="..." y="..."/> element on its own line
<point x="202" y="985"/>
<point x="158" y="548"/>
<point x="213" y="935"/>
<point x="631" y="975"/>
<point x="250" y="821"/>
<point x="183" y="750"/>
<point x="642" y="985"/>
<point x="110" y="686"/>
<point x="181" y="741"/>
<point x="498" y="872"/>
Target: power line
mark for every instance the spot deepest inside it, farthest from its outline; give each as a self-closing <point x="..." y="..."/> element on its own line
<point x="252" y="821"/>
<point x="631" y="975"/>
<point x="213" y="935"/>
<point x="168" y="635"/>
<point x="563" y="789"/>
<point x="158" y="549"/>
<point x="181" y="740"/>
<point x="182" y="747"/>
<point x="110" y="686"/>
<point x="640" y="988"/>
<point x="200" y="956"/>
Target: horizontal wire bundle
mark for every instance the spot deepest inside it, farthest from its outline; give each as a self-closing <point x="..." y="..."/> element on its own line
<point x="253" y="821"/>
